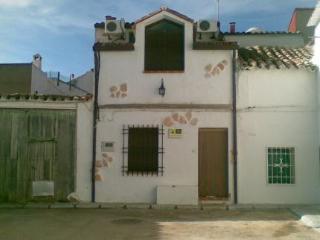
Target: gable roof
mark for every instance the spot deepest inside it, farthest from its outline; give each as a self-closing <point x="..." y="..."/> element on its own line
<point x="165" y="9"/>
<point x="275" y="58"/>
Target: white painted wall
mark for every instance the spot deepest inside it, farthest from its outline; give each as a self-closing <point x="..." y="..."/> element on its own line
<point x="316" y="61"/>
<point x="280" y="40"/>
<point x="84" y="150"/>
<point x="42" y="85"/>
<point x="316" y="58"/>
<point x="277" y="108"/>
<point x="38" y="80"/>
<point x="180" y="158"/>
<point x="190" y="86"/>
<point x="85" y="81"/>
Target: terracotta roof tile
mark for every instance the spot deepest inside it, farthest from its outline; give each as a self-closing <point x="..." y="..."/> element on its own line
<point x="275" y="58"/>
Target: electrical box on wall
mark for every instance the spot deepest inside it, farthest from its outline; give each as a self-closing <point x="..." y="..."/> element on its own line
<point x="175" y="133"/>
<point x="107" y="146"/>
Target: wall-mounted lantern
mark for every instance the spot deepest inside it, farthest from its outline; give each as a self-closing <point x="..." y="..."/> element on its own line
<point x="162" y="89"/>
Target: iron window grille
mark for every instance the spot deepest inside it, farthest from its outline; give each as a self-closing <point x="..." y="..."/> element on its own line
<point x="142" y="151"/>
<point x="281" y="165"/>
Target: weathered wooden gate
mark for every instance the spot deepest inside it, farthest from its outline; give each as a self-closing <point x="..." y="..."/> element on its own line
<point x="36" y="145"/>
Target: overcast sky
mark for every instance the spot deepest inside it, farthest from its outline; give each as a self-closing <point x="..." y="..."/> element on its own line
<point x="62" y="30"/>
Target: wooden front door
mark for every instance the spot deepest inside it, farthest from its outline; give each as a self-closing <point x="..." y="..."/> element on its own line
<point x="213" y="163"/>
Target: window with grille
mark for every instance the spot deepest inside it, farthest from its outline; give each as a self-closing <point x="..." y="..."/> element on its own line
<point x="143" y="150"/>
<point x="164" y="46"/>
<point x="281" y="165"/>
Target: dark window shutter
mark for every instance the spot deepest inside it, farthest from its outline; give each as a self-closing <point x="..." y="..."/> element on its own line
<point x="143" y="150"/>
<point x="164" y="46"/>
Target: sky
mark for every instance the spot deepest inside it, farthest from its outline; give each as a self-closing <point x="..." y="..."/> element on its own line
<point x="62" y="31"/>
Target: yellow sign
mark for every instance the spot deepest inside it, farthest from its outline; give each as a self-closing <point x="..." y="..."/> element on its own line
<point x="175" y="133"/>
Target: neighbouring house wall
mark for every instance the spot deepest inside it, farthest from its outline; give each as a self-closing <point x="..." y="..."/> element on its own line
<point x="277" y="108"/>
<point x="180" y="157"/>
<point x="316" y="49"/>
<point x="15" y="78"/>
<point x="85" y="82"/>
<point x="316" y="61"/>
<point x="84" y="150"/>
<point x="276" y="40"/>
<point x="39" y="81"/>
<point x="82" y="121"/>
<point x="43" y="85"/>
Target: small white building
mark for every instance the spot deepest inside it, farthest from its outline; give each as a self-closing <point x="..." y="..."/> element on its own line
<point x="278" y="144"/>
<point x="167" y="123"/>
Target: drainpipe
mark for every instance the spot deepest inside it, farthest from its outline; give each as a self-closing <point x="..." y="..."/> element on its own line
<point x="234" y="126"/>
<point x="95" y="121"/>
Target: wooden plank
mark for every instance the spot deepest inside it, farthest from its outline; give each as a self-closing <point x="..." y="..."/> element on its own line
<point x="213" y="163"/>
<point x="36" y="145"/>
<point x="64" y="173"/>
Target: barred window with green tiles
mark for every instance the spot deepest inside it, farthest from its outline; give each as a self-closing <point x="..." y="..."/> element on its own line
<point x="281" y="165"/>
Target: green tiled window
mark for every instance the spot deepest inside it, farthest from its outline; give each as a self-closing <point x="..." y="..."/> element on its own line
<point x="281" y="165"/>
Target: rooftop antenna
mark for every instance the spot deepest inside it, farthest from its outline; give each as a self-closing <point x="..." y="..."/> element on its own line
<point x="218" y="1"/>
<point x="218" y="22"/>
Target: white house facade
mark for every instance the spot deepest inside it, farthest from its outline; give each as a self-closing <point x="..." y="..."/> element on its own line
<point x="168" y="131"/>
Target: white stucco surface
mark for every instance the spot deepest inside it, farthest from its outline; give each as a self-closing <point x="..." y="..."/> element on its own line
<point x="277" y="108"/>
<point x="273" y="40"/>
<point x="84" y="150"/>
<point x="179" y="195"/>
<point x="42" y="85"/>
<point x="180" y="157"/>
<point x="190" y="86"/>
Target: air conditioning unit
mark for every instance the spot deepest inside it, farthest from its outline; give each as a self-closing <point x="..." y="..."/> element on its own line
<point x="207" y="26"/>
<point x="114" y="26"/>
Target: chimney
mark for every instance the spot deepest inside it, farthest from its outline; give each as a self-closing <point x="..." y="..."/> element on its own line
<point x="232" y="27"/>
<point x="37" y="60"/>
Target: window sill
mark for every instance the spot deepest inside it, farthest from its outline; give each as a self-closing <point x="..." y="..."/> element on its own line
<point x="162" y="71"/>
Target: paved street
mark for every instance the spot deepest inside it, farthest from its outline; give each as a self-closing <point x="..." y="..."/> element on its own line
<point x="181" y="224"/>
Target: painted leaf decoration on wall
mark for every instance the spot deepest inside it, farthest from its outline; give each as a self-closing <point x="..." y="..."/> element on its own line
<point x="121" y="91"/>
<point x="212" y="71"/>
<point x="180" y="119"/>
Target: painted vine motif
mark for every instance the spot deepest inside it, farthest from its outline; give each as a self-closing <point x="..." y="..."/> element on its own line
<point x="212" y="71"/>
<point x="119" y="91"/>
<point x="183" y="119"/>
<point x="104" y="163"/>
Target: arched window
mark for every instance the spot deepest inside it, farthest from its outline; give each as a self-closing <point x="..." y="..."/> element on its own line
<point x="164" y="46"/>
